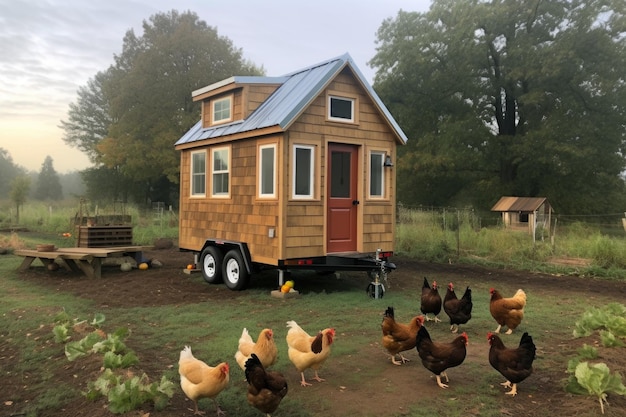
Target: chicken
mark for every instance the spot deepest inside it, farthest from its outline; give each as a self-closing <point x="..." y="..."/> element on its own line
<point x="437" y="357"/>
<point x="507" y="311"/>
<point x="399" y="337"/>
<point x="514" y="364"/>
<point x="306" y="351"/>
<point x="266" y="389"/>
<point x="430" y="300"/>
<point x="459" y="310"/>
<point x="265" y="348"/>
<point x="199" y="380"/>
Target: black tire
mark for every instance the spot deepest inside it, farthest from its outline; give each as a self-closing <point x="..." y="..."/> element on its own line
<point x="211" y="265"/>
<point x="234" y="272"/>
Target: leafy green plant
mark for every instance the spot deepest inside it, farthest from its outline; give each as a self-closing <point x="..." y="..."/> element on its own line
<point x="611" y="319"/>
<point x="595" y="379"/>
<point x="115" y="360"/>
<point x="128" y="394"/>
<point x="123" y="394"/>
<point x="588" y="352"/>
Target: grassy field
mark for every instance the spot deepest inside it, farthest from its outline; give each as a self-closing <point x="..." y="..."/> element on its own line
<point x="29" y="312"/>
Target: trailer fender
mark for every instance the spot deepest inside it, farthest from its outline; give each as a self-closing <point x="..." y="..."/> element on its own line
<point x="226" y="245"/>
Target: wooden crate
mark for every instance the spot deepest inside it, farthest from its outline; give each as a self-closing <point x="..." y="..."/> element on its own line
<point x="104" y="236"/>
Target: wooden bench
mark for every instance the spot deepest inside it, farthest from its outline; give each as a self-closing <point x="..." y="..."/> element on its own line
<point x="87" y="260"/>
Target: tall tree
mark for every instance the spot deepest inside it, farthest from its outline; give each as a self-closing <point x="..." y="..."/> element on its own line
<point x="146" y="98"/>
<point x="505" y="97"/>
<point x="48" y="183"/>
<point x="89" y="118"/>
<point x="19" y="193"/>
<point x="8" y="171"/>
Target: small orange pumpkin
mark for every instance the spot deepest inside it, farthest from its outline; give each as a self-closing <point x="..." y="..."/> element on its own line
<point x="190" y="266"/>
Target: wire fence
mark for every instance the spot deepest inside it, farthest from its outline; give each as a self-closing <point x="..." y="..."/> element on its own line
<point x="453" y="218"/>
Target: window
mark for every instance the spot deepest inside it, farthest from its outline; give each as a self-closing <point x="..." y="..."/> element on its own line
<point x="220" y="164"/>
<point x="198" y="174"/>
<point x="221" y="110"/>
<point x="377" y="174"/>
<point x="340" y="109"/>
<point x="267" y="170"/>
<point x="303" y="170"/>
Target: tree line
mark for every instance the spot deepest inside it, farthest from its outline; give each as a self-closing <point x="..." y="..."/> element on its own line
<point x="18" y="185"/>
<point x="497" y="98"/>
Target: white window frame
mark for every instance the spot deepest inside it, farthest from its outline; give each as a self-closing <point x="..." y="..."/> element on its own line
<point x="195" y="176"/>
<point x="214" y="111"/>
<point x="215" y="172"/>
<point x="372" y="170"/>
<point x="262" y="174"/>
<point x="352" y="102"/>
<point x="311" y="193"/>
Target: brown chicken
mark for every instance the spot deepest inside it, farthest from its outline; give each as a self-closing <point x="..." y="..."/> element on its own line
<point x="306" y="351"/>
<point x="399" y="337"/>
<point x="430" y="300"/>
<point x="437" y="357"/>
<point x="266" y="389"/>
<point x="199" y="380"/>
<point x="458" y="309"/>
<point x="514" y="364"/>
<point x="265" y="348"/>
<point x="507" y="312"/>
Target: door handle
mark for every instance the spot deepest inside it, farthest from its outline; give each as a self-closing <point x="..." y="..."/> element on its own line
<point x="355" y="202"/>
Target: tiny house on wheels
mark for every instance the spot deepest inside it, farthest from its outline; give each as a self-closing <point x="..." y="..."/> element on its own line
<point x="291" y="172"/>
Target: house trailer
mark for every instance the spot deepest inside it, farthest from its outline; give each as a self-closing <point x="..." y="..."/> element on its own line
<point x="291" y="172"/>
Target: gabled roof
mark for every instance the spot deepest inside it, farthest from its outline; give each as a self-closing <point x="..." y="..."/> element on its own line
<point x="297" y="90"/>
<point x="524" y="204"/>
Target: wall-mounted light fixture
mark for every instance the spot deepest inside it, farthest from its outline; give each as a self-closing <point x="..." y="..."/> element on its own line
<point x="388" y="162"/>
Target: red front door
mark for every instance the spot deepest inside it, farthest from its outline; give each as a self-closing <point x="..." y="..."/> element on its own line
<point x="342" y="198"/>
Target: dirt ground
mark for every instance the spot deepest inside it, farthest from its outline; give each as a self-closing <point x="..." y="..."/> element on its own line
<point x="543" y="395"/>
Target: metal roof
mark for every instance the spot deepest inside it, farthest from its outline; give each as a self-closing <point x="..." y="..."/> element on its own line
<point x="297" y="90"/>
<point x="525" y="204"/>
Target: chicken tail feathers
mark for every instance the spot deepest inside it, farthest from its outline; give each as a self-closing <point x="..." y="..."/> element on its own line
<point x="291" y="324"/>
<point x="389" y="312"/>
<point x="186" y="353"/>
<point x="467" y="295"/>
<point x="245" y="336"/>
<point x="425" y="283"/>
<point x="252" y="363"/>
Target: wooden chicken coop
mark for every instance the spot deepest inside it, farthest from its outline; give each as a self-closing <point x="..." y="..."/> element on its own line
<point x="525" y="213"/>
<point x="289" y="172"/>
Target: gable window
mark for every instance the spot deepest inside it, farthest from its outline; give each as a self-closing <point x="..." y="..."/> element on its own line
<point x="198" y="174"/>
<point x="377" y="174"/>
<point x="267" y="171"/>
<point x="220" y="161"/>
<point x="303" y="170"/>
<point x="221" y="110"/>
<point x="341" y="109"/>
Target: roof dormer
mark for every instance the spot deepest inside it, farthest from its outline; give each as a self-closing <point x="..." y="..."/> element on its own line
<point x="234" y="98"/>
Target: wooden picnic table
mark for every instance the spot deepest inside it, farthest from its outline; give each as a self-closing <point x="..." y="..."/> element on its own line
<point x="87" y="260"/>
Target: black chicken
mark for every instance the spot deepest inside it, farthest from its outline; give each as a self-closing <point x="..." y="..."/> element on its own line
<point x="266" y="389"/>
<point x="459" y="310"/>
<point x="431" y="300"/>
<point x="515" y="364"/>
<point x="437" y="357"/>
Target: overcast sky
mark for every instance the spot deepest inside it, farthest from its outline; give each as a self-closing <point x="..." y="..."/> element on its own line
<point x="50" y="48"/>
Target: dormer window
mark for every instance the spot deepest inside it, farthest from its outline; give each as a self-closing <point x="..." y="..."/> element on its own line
<point x="341" y="109"/>
<point x="221" y="110"/>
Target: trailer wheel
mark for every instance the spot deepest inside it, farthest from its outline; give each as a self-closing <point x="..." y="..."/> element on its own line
<point x="211" y="259"/>
<point x="235" y="273"/>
